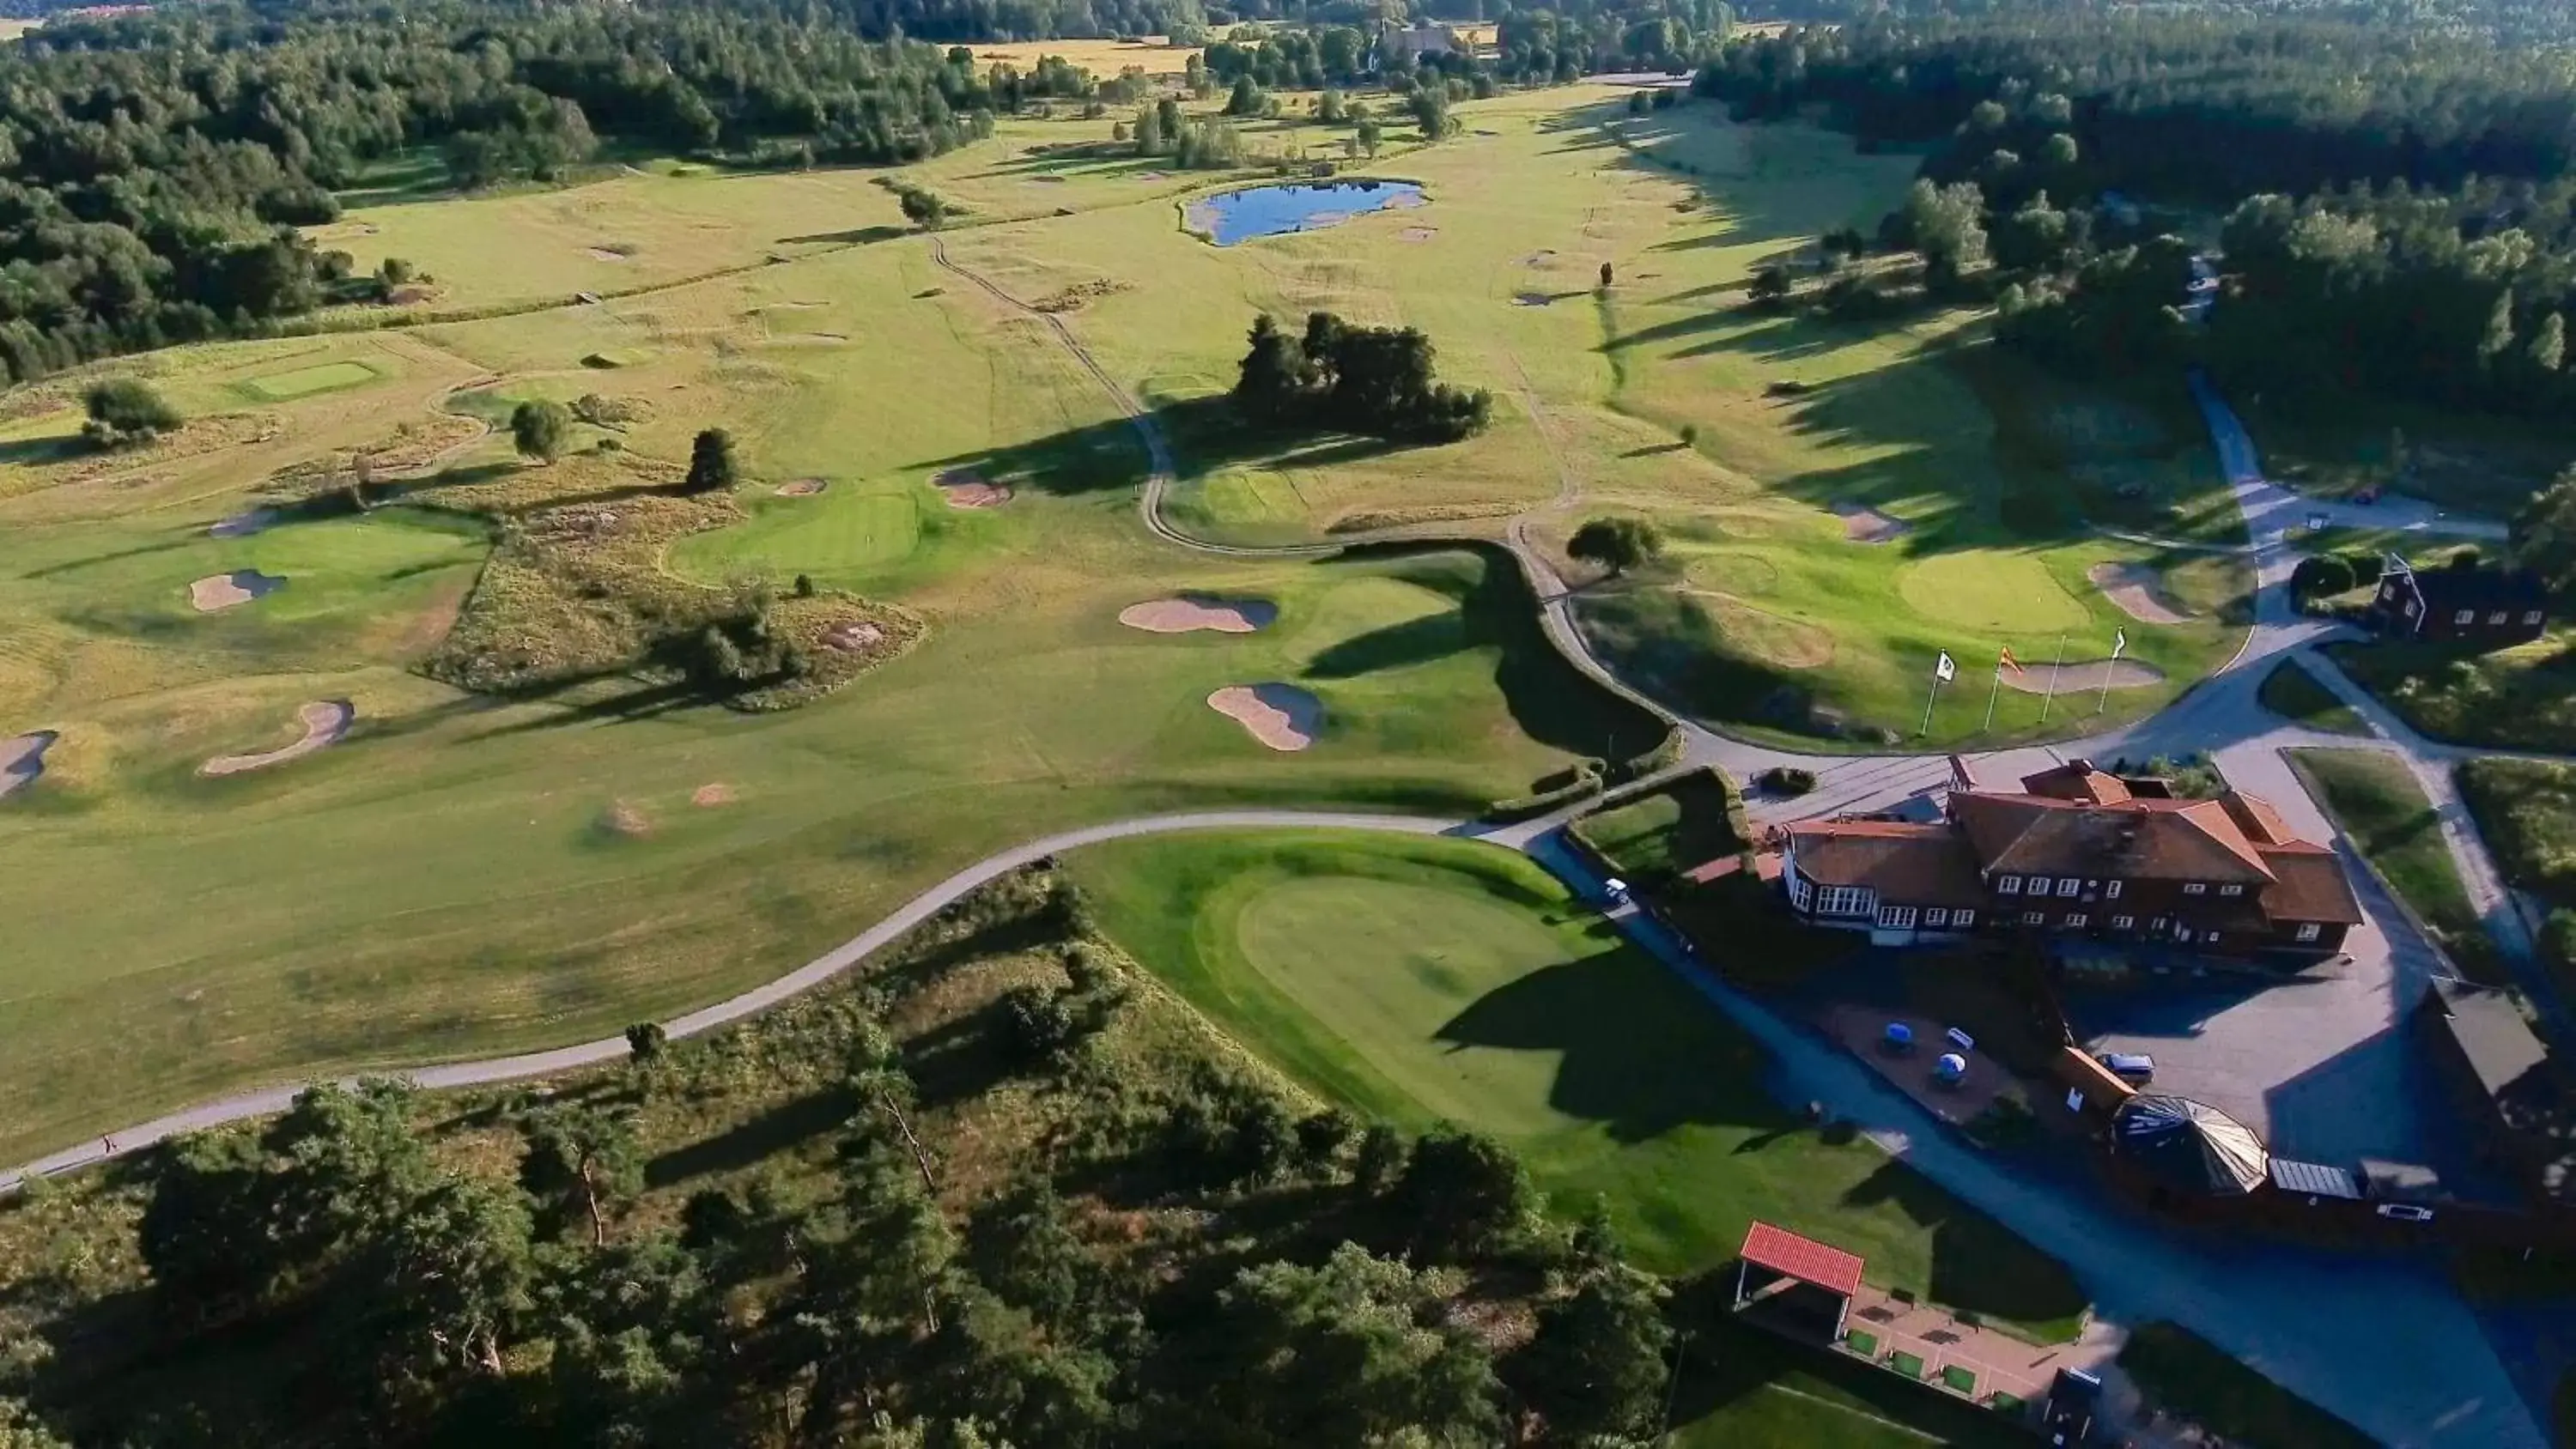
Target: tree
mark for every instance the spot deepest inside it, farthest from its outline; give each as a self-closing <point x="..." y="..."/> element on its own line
<point x="1466" y="1196"/>
<point x="205" y="1233"/>
<point x="342" y="1165"/>
<point x="1945" y="224"/>
<point x="923" y="208"/>
<point x="1595" y="1368"/>
<point x="1331" y="108"/>
<point x="1617" y="544"/>
<point x="584" y="1156"/>
<point x="2320" y="576"/>
<point x="454" y="1276"/>
<point x="711" y="463"/>
<point x="2499" y="331"/>
<point x="1378" y="1164"/>
<point x="1605" y="276"/>
<point x="1770" y="286"/>
<point x="21" y="1429"/>
<point x="539" y="429"/>
<point x="877" y="1078"/>
<point x="645" y="1041"/>
<point x="1429" y="105"/>
<point x="1370" y="135"/>
<point x="2549" y="344"/>
<point x="125" y="411"/>
<point x="2544" y="534"/>
<point x="1353" y="1352"/>
<point x="1246" y="99"/>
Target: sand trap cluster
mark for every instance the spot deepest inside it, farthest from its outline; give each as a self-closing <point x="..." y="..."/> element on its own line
<point x="1183" y="613"/>
<point x="22" y="759"/>
<point x="2080" y="676"/>
<point x="2136" y="591"/>
<point x="966" y="488"/>
<point x="324" y="721"/>
<point x="1418" y="233"/>
<point x="224" y="591"/>
<point x="243" y="525"/>
<point x="800" y="487"/>
<point x="1281" y="716"/>
<point x="854" y="638"/>
<point x="1864" y="524"/>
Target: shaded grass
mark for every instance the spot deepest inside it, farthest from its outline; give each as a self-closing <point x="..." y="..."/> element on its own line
<point x="2522" y="698"/>
<point x="1427" y="980"/>
<point x="2526" y="812"/>
<point x="2294" y="694"/>
<point x="1652" y="838"/>
<point x="2185" y="1375"/>
<point x="2376" y="801"/>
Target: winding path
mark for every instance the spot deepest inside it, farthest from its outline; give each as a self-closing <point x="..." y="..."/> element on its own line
<point x="2319" y="1324"/>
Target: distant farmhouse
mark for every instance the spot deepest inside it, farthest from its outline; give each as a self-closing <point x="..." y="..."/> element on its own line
<point x="2487" y="607"/>
<point x="1400" y="48"/>
<point x="2077" y="852"/>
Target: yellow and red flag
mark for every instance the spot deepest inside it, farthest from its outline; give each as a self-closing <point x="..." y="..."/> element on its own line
<point x="2006" y="661"/>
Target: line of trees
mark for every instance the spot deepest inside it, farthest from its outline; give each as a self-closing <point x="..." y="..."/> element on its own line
<point x="1375" y="381"/>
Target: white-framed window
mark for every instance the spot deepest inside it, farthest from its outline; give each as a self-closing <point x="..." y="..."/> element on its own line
<point x="2497" y="617"/>
<point x="2231" y="890"/>
<point x="1935" y="916"/>
<point x="2075" y="918"/>
<point x="2007" y="885"/>
<point x="2465" y="616"/>
<point x="2111" y="891"/>
<point x="2159" y="923"/>
<point x="1801" y="893"/>
<point x="1962" y="920"/>
<point x="2531" y="616"/>
<point x="2310" y="930"/>
<point x="2209" y="938"/>
<point x="2195" y="888"/>
<point x="1896" y="918"/>
<point x="2033" y="918"/>
<point x="2069" y="885"/>
<point x="2124" y="923"/>
<point x="1843" y="900"/>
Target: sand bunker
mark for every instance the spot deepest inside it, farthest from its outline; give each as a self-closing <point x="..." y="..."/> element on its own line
<point x="223" y="591"/>
<point x="966" y="488"/>
<point x="717" y="793"/>
<point x="1281" y="716"/>
<point x="2137" y="592"/>
<point x="603" y="254"/>
<point x="623" y="819"/>
<point x="1417" y="233"/>
<point x="324" y="720"/>
<point x="1863" y="524"/>
<point x="801" y="487"/>
<point x="1186" y="612"/>
<point x="243" y="525"/>
<point x="855" y="638"/>
<point x="23" y="759"/>
<point x="2081" y="676"/>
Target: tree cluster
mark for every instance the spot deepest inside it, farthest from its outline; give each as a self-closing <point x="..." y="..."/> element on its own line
<point x="1375" y="381"/>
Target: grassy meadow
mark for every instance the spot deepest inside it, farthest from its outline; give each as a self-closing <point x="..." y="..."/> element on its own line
<point x="1429" y="981"/>
<point x="2376" y="801"/>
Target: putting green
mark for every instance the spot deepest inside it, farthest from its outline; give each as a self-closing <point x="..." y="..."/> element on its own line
<point x="1989" y="590"/>
<point x="843" y="532"/>
<point x="307" y="381"/>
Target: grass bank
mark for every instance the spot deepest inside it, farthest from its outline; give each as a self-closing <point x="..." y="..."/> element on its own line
<point x="2377" y="802"/>
<point x="2185" y="1375"/>
<point x="2523" y="698"/>
<point x="2291" y="692"/>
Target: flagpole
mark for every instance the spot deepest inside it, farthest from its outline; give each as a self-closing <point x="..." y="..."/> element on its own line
<point x="2119" y="646"/>
<point x="2051" y="697"/>
<point x="1928" y="701"/>
<point x="1992" y="691"/>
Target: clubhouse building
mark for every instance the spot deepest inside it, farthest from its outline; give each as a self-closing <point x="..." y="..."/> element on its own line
<point x="2077" y="852"/>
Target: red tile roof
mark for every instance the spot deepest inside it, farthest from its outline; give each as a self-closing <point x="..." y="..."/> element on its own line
<point x="1907" y="863"/>
<point x="1804" y="1259"/>
<point x="2078" y="781"/>
<point x="2138" y="839"/>
<point x="2308" y="885"/>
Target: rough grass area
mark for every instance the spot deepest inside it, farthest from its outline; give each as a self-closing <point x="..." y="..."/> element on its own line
<point x="1421" y="981"/>
<point x="2526" y="811"/>
<point x="1652" y="838"/>
<point x="2295" y="695"/>
<point x="2523" y="698"/>
<point x="2181" y="1373"/>
<point x="2376" y="802"/>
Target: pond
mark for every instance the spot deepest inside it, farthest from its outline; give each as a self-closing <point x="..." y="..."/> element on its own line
<point x="1232" y="216"/>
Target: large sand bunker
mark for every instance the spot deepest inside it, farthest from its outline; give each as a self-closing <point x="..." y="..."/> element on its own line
<point x="1864" y="524"/>
<point x="1183" y="613"/>
<point x="243" y="525"/>
<point x="966" y="488"/>
<point x="2137" y="592"/>
<point x="2084" y="676"/>
<point x="23" y="759"/>
<point x="1281" y="716"/>
<point x="223" y="591"/>
<point x="800" y="487"/>
<point x="324" y="720"/>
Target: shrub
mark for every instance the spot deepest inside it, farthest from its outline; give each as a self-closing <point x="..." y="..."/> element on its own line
<point x="1786" y="780"/>
<point x="712" y="468"/>
<point x="2320" y="576"/>
<point x="125" y="411"/>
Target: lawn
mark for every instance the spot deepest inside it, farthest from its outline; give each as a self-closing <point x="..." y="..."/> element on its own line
<point x="2377" y="802"/>
<point x="306" y="381"/>
<point x="1422" y="981"/>
<point x="1653" y="837"/>
<point x="2181" y="1372"/>
<point x="2522" y="698"/>
<point x="2294" y="694"/>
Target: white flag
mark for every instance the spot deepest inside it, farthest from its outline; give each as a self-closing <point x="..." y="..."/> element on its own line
<point x="1946" y="669"/>
<point x="2119" y="642"/>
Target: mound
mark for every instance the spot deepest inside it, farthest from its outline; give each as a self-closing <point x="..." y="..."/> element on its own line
<point x="2081" y="675"/>
<point x="966" y="488"/>
<point x="324" y="720"/>
<point x="1864" y="524"/>
<point x="855" y="638"/>
<point x="223" y="591"/>
<point x="1775" y="639"/>
<point x="1183" y="613"/>
<point x="2135" y="590"/>
<point x="1418" y="233"/>
<point x="1281" y="716"/>
<point x="801" y="487"/>
<point x="22" y="759"/>
<point x="243" y="525"/>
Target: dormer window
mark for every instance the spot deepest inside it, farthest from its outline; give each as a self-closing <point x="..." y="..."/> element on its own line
<point x="2194" y="888"/>
<point x="2231" y="890"/>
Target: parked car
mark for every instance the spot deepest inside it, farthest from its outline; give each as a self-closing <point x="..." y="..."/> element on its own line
<point x="2405" y="1212"/>
<point x="2074" y="1402"/>
<point x="1616" y="890"/>
<point x="2135" y="1068"/>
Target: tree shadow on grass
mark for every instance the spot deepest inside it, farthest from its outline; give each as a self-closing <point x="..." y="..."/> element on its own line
<point x="1634" y="1054"/>
<point x="1977" y="1264"/>
<point x="854" y="237"/>
<point x="782" y="1128"/>
<point x="1397" y="646"/>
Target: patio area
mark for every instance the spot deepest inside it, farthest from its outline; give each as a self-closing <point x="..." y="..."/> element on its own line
<point x="1980" y="1364"/>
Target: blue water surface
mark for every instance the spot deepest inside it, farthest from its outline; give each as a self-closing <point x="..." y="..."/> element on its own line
<point x="1232" y="216"/>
